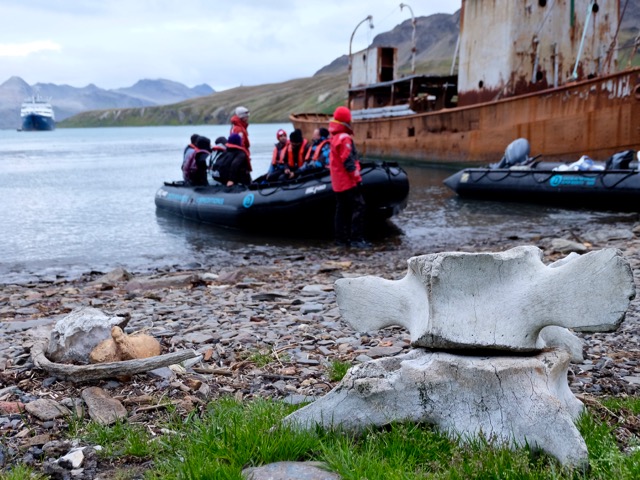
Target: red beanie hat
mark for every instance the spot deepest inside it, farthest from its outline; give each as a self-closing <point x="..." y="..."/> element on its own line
<point x="342" y="114"/>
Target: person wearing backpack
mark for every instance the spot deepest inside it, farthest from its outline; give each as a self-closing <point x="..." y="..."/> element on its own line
<point x="189" y="149"/>
<point x="233" y="166"/>
<point x="239" y="162"/>
<point x="194" y="168"/>
<point x="346" y="181"/>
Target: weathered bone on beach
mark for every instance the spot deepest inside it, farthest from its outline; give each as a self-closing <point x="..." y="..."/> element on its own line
<point x="508" y="301"/>
<point x="500" y="300"/>
<point x="514" y="399"/>
<point x="83" y="373"/>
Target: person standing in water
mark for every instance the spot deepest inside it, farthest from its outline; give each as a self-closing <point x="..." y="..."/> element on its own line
<point x="346" y="181"/>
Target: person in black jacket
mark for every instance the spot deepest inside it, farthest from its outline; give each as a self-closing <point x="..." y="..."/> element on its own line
<point x="239" y="162"/>
<point x="233" y="166"/>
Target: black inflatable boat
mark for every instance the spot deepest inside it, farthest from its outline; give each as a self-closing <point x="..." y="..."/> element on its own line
<point x="611" y="185"/>
<point x="307" y="202"/>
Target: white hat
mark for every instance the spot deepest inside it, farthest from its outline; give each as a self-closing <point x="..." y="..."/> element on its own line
<point x="242" y="112"/>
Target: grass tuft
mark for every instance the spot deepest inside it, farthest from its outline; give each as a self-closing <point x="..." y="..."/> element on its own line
<point x="337" y="370"/>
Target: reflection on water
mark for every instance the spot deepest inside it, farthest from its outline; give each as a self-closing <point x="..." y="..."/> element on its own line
<point x="436" y="216"/>
<point x="82" y="199"/>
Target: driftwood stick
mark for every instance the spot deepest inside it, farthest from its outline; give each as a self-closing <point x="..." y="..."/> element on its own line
<point x="83" y="373"/>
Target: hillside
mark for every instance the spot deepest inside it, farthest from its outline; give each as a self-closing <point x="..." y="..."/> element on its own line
<point x="267" y="103"/>
<point x="437" y="35"/>
<point x="436" y="41"/>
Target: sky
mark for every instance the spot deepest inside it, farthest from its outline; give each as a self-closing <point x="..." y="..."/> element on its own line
<point x="226" y="44"/>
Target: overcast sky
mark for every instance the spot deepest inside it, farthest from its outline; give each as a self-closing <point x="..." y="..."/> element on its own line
<point x="115" y="43"/>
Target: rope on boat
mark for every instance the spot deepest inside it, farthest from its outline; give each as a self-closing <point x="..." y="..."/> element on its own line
<point x="548" y="174"/>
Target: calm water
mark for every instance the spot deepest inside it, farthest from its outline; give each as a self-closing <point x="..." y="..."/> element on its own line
<point x="75" y="200"/>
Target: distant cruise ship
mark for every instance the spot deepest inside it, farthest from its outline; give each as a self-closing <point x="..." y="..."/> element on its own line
<point x="37" y="114"/>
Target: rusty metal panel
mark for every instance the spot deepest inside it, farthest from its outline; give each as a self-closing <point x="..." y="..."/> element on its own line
<point x="367" y="65"/>
<point x="512" y="47"/>
<point x="594" y="117"/>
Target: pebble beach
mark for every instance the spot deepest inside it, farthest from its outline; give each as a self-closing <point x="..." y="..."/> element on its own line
<point x="262" y="326"/>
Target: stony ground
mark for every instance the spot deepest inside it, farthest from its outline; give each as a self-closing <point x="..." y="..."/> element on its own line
<point x="264" y="327"/>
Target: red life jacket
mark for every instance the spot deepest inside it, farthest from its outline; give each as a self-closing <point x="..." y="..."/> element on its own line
<point x="239" y="126"/>
<point x="296" y="162"/>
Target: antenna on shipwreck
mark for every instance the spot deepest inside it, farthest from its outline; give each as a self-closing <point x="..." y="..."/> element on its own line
<point x="413" y="38"/>
<point x="370" y="20"/>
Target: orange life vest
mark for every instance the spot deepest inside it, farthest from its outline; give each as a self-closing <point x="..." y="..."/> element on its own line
<point x="297" y="162"/>
<point x="316" y="152"/>
<point x="279" y="154"/>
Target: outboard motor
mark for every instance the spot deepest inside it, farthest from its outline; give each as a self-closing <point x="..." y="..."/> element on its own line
<point x="516" y="153"/>
<point x="620" y="160"/>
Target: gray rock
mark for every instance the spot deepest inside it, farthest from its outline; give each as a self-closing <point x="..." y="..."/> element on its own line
<point x="311" y="308"/>
<point x="289" y="471"/>
<point x="74" y="336"/>
<point x="562" y="245"/>
<point x="46" y="409"/>
<point x="102" y="408"/>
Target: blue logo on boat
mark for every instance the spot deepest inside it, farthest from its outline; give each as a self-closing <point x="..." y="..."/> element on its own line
<point x="211" y="200"/>
<point x="247" y="201"/>
<point x="572" y="181"/>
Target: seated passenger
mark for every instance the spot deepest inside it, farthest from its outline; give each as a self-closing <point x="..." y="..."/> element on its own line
<point x="218" y="149"/>
<point x="279" y="169"/>
<point x="189" y="149"/>
<point x="194" y="170"/>
<point x="239" y="162"/>
<point x="317" y="156"/>
<point x="296" y="151"/>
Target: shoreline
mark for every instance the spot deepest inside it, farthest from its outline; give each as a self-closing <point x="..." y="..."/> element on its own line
<point x="266" y="325"/>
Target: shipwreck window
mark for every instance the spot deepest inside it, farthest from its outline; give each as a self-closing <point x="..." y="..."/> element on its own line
<point x="480" y="84"/>
<point x="539" y="76"/>
<point x="411" y="132"/>
<point x="542" y="3"/>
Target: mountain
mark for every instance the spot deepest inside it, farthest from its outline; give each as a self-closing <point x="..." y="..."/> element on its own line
<point x="436" y="38"/>
<point x="436" y="41"/>
<point x="162" y="92"/>
<point x="68" y="101"/>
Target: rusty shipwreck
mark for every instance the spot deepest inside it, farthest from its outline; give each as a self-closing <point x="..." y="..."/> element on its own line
<point x="546" y="70"/>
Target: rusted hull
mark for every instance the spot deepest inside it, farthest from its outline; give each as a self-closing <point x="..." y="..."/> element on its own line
<point x="596" y="117"/>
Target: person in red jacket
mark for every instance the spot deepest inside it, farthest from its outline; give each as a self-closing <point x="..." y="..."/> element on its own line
<point x="240" y="124"/>
<point x="346" y="182"/>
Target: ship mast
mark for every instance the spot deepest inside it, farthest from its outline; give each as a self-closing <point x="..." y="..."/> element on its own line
<point x="413" y="38"/>
<point x="370" y="20"/>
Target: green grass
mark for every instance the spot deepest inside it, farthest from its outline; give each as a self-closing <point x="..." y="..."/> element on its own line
<point x="229" y="436"/>
<point x="21" y="472"/>
<point x="120" y="439"/>
<point x="337" y="369"/>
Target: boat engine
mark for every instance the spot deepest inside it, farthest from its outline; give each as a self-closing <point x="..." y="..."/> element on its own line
<point x="516" y="153"/>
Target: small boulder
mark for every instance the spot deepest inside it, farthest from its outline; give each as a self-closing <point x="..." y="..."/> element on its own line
<point x="74" y="336"/>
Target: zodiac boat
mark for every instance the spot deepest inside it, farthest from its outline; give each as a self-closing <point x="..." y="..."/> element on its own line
<point x="305" y="204"/>
<point x="610" y="185"/>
